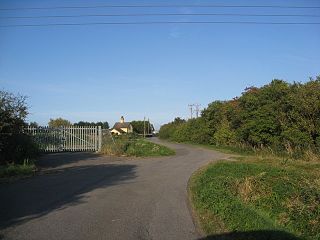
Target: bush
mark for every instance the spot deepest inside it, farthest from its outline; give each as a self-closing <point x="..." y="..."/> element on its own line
<point x="132" y="145"/>
<point x="18" y="148"/>
<point x="273" y="116"/>
<point x="116" y="147"/>
<point x="15" y="147"/>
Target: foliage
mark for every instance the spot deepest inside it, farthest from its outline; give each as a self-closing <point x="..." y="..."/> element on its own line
<point x="17" y="170"/>
<point x="33" y="124"/>
<point x="167" y="131"/>
<point x="18" y="148"/>
<point x="58" y="122"/>
<point x="143" y="148"/>
<point x="104" y="125"/>
<point x="13" y="112"/>
<point x="251" y="194"/>
<point x="140" y="126"/>
<point x="131" y="145"/>
<point x="280" y="116"/>
<point x="15" y="146"/>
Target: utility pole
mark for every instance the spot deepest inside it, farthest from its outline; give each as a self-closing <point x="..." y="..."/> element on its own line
<point x="197" y="109"/>
<point x="144" y="127"/>
<point x="191" y="110"/>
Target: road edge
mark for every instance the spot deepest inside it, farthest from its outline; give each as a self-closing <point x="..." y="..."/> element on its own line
<point x="193" y="212"/>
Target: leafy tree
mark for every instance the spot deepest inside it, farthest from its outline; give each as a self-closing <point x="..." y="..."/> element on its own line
<point x="15" y="146"/>
<point x="59" y="122"/>
<point x="34" y="124"/>
<point x="178" y="120"/>
<point x="13" y="112"/>
<point x="278" y="115"/>
<point x="104" y="125"/>
<point x="139" y="126"/>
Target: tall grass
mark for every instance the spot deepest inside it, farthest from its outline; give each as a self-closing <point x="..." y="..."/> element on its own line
<point x="132" y="145"/>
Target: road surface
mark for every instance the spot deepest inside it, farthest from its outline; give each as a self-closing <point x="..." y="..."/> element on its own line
<point x="88" y="196"/>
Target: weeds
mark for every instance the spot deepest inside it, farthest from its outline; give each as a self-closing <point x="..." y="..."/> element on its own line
<point x="256" y="195"/>
<point x="17" y="170"/>
<point x="133" y="146"/>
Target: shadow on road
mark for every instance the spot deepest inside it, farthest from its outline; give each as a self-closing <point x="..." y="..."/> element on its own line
<point x="40" y="195"/>
<point x="53" y="160"/>
<point x="253" y="235"/>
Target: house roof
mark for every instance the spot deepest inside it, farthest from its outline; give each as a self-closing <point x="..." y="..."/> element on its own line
<point x="119" y="125"/>
<point x="119" y="130"/>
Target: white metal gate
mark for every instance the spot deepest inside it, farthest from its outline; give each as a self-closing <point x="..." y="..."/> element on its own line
<point x="70" y="138"/>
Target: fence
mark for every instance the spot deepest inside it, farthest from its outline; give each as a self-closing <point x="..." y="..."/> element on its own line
<point x="70" y="138"/>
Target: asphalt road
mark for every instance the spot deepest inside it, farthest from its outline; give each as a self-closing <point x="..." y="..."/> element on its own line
<point x="87" y="196"/>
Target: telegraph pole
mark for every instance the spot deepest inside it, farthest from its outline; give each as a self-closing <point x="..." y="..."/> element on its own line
<point x="144" y="127"/>
<point x="191" y="110"/>
<point x="197" y="109"/>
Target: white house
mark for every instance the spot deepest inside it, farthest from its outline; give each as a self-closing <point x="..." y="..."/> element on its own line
<point x="122" y="127"/>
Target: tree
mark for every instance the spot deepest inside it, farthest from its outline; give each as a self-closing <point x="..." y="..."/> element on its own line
<point x="33" y="124"/>
<point x="15" y="146"/>
<point x="104" y="125"/>
<point x="278" y="115"/>
<point x="13" y="112"/>
<point x="141" y="126"/>
<point x="59" y="122"/>
<point x="179" y="120"/>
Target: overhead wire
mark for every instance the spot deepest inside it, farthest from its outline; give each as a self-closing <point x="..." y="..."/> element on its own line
<point x="163" y="6"/>
<point x="160" y="22"/>
<point x="161" y="14"/>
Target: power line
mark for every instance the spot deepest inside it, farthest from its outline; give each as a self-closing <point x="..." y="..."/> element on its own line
<point x="161" y="14"/>
<point x="159" y="23"/>
<point x="162" y="6"/>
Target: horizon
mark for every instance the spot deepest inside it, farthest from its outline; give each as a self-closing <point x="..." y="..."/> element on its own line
<point x="100" y="73"/>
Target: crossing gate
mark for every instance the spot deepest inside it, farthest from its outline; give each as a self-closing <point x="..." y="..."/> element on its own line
<point x="70" y="138"/>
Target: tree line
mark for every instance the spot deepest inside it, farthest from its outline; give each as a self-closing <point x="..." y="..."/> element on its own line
<point x="280" y="115"/>
<point x="59" y="122"/>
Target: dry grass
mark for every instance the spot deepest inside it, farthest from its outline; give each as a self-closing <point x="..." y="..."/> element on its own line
<point x="251" y="189"/>
<point x="311" y="156"/>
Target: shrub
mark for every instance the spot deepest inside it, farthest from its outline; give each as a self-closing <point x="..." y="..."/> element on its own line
<point x="15" y="146"/>
<point x="18" y="148"/>
<point x="277" y="116"/>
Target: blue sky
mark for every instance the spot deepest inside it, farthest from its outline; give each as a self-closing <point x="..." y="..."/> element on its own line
<point x="98" y="73"/>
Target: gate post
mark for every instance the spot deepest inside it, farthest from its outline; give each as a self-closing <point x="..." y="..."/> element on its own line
<point x="99" y="138"/>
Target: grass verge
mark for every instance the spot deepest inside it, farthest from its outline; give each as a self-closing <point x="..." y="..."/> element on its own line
<point x="255" y="198"/>
<point x="16" y="170"/>
<point x="143" y="148"/>
<point x="136" y="147"/>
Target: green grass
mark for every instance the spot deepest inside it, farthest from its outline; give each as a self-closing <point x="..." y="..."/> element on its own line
<point x="225" y="149"/>
<point x="143" y="148"/>
<point x="259" y="194"/>
<point x="17" y="170"/>
<point x="134" y="146"/>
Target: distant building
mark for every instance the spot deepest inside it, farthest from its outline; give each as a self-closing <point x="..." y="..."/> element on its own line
<point x="122" y="127"/>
